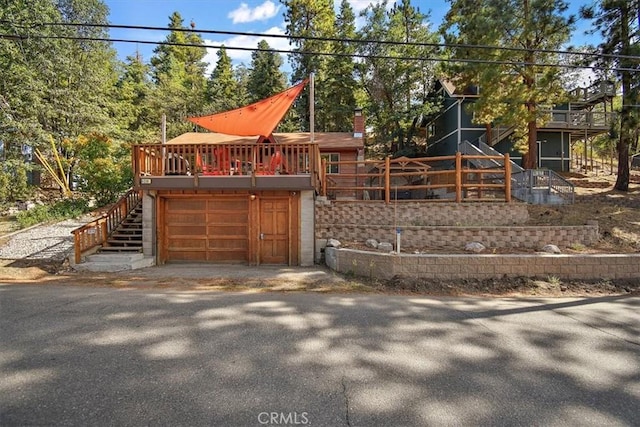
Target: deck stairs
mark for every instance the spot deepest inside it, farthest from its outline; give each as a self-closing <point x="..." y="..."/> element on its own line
<point x="123" y="249"/>
<point x="539" y="186"/>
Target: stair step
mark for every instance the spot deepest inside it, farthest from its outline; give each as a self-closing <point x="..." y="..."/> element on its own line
<point x="115" y="257"/>
<point x="121" y="249"/>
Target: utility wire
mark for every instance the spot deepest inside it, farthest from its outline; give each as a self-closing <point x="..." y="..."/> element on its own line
<point x="327" y="39"/>
<point x="355" y="55"/>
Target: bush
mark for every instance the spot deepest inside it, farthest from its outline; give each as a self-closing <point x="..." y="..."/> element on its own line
<point x="64" y="209"/>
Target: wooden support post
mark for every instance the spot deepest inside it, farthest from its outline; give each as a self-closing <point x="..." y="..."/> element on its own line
<point x="103" y="230"/>
<point x="458" y="177"/>
<point x="323" y="176"/>
<point x="507" y="178"/>
<point x="387" y="180"/>
<point x="76" y="246"/>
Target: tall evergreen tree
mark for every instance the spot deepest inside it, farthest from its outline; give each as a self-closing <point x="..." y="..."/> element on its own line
<point x="339" y="88"/>
<point x="178" y="72"/>
<point x="309" y="18"/>
<point x="222" y="88"/>
<point x="397" y="88"/>
<point x="619" y="23"/>
<point x="134" y="91"/>
<point x="265" y="78"/>
<point x="512" y="86"/>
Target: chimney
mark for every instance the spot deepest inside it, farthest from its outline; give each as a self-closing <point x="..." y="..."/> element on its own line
<point x="358" y="123"/>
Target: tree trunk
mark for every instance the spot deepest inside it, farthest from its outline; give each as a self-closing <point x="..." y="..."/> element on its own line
<point x="622" y="180"/>
<point x="532" y="137"/>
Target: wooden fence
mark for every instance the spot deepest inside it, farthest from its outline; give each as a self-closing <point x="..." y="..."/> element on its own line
<point x="96" y="232"/>
<point x="443" y="178"/>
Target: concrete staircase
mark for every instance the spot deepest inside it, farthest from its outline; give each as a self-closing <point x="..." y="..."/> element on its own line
<point x="113" y="261"/>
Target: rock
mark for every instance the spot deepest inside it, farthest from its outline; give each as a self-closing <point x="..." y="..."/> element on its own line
<point x="333" y="243"/>
<point x="385" y="247"/>
<point x="372" y="243"/>
<point x="551" y="249"/>
<point x="476" y="247"/>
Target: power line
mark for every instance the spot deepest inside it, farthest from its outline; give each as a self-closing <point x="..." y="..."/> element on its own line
<point x="355" y="55"/>
<point x="328" y="39"/>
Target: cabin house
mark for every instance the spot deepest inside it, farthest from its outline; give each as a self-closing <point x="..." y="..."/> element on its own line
<point x="588" y="114"/>
<point x="212" y="197"/>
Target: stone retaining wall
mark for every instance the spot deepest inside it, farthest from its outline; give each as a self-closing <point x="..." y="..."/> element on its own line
<point x="445" y="267"/>
<point x="420" y="213"/>
<point x="531" y="237"/>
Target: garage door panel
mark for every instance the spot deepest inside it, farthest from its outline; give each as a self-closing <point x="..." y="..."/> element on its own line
<point x="187" y="244"/>
<point x="186" y="204"/>
<point x="211" y="228"/>
<point x="186" y="217"/>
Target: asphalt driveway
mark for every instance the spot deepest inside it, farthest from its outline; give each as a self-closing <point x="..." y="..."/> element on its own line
<point x="105" y="356"/>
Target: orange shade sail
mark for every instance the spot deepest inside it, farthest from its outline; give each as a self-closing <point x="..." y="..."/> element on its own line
<point x="259" y="118"/>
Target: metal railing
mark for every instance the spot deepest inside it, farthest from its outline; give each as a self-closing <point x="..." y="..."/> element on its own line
<point x="533" y="184"/>
<point x="97" y="231"/>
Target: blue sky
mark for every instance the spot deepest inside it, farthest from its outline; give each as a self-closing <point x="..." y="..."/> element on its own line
<point x="255" y="16"/>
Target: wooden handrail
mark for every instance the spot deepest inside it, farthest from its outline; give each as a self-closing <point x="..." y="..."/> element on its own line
<point x="96" y="232"/>
<point x="384" y="177"/>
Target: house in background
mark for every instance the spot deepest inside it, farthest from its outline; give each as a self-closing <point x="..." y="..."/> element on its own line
<point x="586" y="116"/>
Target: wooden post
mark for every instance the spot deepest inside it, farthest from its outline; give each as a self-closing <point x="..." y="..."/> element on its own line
<point x="387" y="180"/>
<point x="103" y="230"/>
<point x="323" y="176"/>
<point x="76" y="246"/>
<point x="458" y="177"/>
<point x="507" y="178"/>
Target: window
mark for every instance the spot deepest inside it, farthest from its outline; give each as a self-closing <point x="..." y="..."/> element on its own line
<point x="331" y="157"/>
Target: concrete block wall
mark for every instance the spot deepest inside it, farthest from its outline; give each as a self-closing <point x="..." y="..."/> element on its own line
<point x="451" y="267"/>
<point x="529" y="237"/>
<point x="406" y="214"/>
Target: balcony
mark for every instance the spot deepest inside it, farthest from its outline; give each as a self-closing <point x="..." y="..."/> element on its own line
<point x="256" y="166"/>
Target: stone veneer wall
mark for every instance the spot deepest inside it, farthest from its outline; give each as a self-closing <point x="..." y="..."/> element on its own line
<point x="446" y="267"/>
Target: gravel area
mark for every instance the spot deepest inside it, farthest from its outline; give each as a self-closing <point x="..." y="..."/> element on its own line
<point x="51" y="242"/>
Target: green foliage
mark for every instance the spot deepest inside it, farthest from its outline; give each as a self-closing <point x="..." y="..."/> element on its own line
<point x="64" y="209"/>
<point x="512" y="88"/>
<point x="222" y="87"/>
<point x="13" y="181"/>
<point x="617" y="21"/>
<point x="178" y="74"/>
<point x="4" y="186"/>
<point x="104" y="170"/>
<point x="309" y="18"/>
<point x="265" y="78"/>
<point x="397" y="89"/>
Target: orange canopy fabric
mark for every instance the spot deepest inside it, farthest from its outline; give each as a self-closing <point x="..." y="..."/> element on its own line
<point x="259" y="118"/>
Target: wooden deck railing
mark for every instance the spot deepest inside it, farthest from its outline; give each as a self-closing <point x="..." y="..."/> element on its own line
<point x="225" y="159"/>
<point x="425" y="178"/>
<point x="97" y="231"/>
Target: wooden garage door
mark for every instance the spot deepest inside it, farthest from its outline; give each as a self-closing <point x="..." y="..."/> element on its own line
<point x="213" y="228"/>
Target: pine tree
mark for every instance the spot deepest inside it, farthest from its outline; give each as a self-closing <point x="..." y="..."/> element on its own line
<point x="222" y="88"/>
<point x="178" y="72"/>
<point x="265" y="78"/>
<point x="512" y="86"/>
<point x="309" y="18"/>
<point x="619" y="23"/>
<point x="397" y="88"/>
<point x="340" y="84"/>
